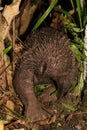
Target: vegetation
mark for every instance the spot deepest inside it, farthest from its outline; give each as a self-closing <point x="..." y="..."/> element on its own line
<point x="74" y="22"/>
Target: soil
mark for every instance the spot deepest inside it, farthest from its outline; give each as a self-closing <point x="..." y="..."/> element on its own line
<point x="67" y="113"/>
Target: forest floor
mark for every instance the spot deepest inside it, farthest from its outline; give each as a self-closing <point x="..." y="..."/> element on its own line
<point x="68" y="113"/>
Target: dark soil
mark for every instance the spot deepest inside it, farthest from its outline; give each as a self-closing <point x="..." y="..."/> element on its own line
<point x="62" y="118"/>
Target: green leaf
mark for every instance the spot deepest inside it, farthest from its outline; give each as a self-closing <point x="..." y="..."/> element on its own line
<point x="53" y="3"/>
<point x="4" y="121"/>
<point x="7" y="49"/>
<point x="68" y="107"/>
<point x="80" y="85"/>
<point x="77" y="53"/>
<point x="72" y="3"/>
<point x="84" y="20"/>
<point x="79" y="11"/>
<point x="40" y="88"/>
<point x="62" y="11"/>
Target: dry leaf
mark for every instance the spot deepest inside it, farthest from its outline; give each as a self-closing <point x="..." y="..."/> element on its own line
<point x="10" y="105"/>
<point x="11" y="10"/>
<point x="1" y="125"/>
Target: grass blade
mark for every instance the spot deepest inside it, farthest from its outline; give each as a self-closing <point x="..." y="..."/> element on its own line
<point x="79" y="11"/>
<point x="53" y="3"/>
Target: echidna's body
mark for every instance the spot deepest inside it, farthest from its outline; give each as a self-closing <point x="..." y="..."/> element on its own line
<point x="48" y="58"/>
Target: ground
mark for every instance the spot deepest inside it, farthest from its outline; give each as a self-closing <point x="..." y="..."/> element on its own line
<point x="67" y="113"/>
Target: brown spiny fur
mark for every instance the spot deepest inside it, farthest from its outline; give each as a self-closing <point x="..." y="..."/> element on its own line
<point x="47" y="58"/>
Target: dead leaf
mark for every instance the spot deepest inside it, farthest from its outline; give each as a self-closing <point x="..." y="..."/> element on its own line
<point x="1" y="125"/>
<point x="10" y="105"/>
<point x="11" y="10"/>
